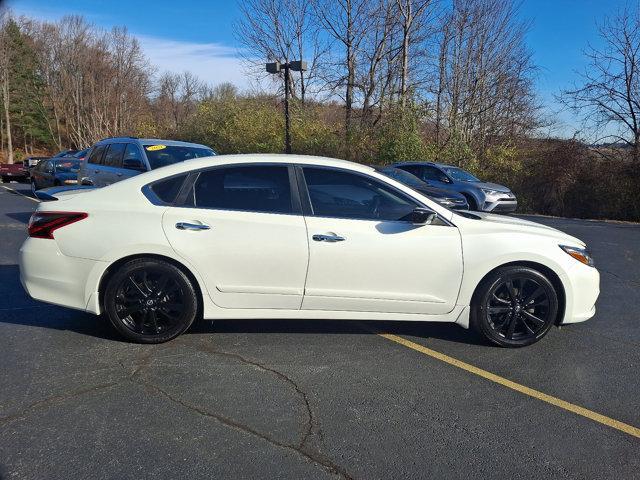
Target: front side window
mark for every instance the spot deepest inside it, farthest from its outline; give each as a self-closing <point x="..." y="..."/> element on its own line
<point x="341" y="194"/>
<point x="113" y="157"/>
<point x="252" y="188"/>
<point x="163" y="155"/>
<point x="433" y="173"/>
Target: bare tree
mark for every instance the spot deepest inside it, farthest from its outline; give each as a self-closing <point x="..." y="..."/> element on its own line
<point x="484" y="89"/>
<point x="609" y="96"/>
<point x="280" y="30"/>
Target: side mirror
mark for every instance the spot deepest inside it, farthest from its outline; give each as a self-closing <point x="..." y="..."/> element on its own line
<point x="422" y="216"/>
<point x="134" y="164"/>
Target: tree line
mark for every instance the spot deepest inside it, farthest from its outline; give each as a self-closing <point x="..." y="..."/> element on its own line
<point x="388" y="80"/>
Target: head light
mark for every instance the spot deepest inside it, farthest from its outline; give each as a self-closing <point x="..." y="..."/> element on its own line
<point x="581" y="254"/>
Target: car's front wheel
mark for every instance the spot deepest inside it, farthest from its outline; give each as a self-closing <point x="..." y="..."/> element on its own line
<point x="150" y="301"/>
<point x="514" y="306"/>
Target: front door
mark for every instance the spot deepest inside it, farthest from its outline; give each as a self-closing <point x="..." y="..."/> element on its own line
<point x="243" y="230"/>
<point x="366" y="256"/>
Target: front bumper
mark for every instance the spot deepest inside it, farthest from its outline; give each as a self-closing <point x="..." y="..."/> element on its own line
<point x="49" y="276"/>
<point x="500" y="205"/>
<point x="582" y="288"/>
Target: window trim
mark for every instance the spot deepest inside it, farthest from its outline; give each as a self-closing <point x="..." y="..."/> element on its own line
<point x="307" y="199"/>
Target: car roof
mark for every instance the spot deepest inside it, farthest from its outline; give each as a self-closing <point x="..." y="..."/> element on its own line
<point x="435" y="164"/>
<point x="151" y="141"/>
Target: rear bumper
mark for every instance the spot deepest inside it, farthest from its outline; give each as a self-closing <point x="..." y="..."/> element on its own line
<point x="49" y="276"/>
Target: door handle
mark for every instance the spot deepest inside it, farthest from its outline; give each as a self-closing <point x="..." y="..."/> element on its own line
<point x="192" y="226"/>
<point x="331" y="237"/>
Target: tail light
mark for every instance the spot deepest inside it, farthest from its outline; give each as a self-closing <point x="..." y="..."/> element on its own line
<point x="43" y="224"/>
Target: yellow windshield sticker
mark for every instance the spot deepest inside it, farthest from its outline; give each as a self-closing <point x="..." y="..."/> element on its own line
<point x="152" y="148"/>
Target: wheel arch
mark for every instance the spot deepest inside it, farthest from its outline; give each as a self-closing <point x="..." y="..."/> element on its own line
<point x="553" y="277"/>
<point x="113" y="267"/>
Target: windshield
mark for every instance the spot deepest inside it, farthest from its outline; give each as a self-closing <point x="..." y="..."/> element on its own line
<point x="460" y="175"/>
<point x="163" y="155"/>
<point x="67" y="166"/>
<point x="403" y="177"/>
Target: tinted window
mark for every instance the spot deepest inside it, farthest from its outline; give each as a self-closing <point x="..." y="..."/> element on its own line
<point x="96" y="154"/>
<point x="167" y="190"/>
<point x="403" y="176"/>
<point x="163" y="155"/>
<point x="460" y="174"/>
<point x="433" y="173"/>
<point x="412" y="169"/>
<point x="342" y="194"/>
<point x="113" y="157"/>
<point x="132" y="154"/>
<point x="257" y="189"/>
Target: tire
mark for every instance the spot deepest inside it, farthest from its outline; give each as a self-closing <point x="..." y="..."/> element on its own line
<point x="56" y="183"/>
<point x="514" y="307"/>
<point x="159" y="300"/>
<point x="473" y="205"/>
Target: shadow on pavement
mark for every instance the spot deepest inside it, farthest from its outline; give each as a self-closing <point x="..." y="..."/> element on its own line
<point x="22" y="217"/>
<point x="25" y="311"/>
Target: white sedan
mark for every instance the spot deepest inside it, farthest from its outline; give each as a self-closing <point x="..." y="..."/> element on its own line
<point x="283" y="236"/>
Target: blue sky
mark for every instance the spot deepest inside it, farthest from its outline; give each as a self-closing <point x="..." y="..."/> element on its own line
<point x="198" y="35"/>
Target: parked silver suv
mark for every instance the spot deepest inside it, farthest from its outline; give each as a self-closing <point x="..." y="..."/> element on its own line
<point x="114" y="159"/>
<point x="482" y="196"/>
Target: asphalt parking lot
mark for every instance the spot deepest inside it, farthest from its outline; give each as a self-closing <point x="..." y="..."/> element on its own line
<point x="319" y="399"/>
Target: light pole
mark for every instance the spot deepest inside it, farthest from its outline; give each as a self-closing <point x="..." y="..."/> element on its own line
<point x="277" y="67"/>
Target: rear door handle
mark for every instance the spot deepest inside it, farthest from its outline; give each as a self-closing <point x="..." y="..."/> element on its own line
<point x="192" y="226"/>
<point x="330" y="237"/>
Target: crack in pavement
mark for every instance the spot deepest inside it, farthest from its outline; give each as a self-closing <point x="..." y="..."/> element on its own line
<point x="304" y="451"/>
<point x="311" y="421"/>
<point x="619" y="278"/>
<point x="52" y="400"/>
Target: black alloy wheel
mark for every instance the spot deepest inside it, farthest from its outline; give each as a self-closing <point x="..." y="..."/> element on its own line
<point x="515" y="307"/>
<point x="150" y="301"/>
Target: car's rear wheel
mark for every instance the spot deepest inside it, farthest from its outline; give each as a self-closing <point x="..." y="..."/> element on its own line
<point x="150" y="301"/>
<point x="514" y="306"/>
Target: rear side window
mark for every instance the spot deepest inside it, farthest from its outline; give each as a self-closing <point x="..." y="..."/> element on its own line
<point x="257" y="189"/>
<point x="167" y="190"/>
<point x="433" y="173"/>
<point x="96" y="155"/>
<point x="113" y="157"/>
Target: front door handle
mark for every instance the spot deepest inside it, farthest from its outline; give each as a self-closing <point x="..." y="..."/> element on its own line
<point x="192" y="226"/>
<point x="329" y="237"/>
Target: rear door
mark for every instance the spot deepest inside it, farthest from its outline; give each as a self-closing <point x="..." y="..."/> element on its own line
<point x="111" y="170"/>
<point x="90" y="171"/>
<point x="243" y="230"/>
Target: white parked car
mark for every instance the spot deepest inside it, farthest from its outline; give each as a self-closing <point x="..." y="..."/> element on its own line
<point x="276" y="236"/>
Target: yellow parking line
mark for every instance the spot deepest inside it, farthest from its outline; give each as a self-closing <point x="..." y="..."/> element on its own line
<point x="585" y="412"/>
<point x="21" y="194"/>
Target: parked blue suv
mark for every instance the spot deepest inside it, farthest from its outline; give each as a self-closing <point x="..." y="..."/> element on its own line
<point x="114" y="159"/>
<point x="482" y="196"/>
